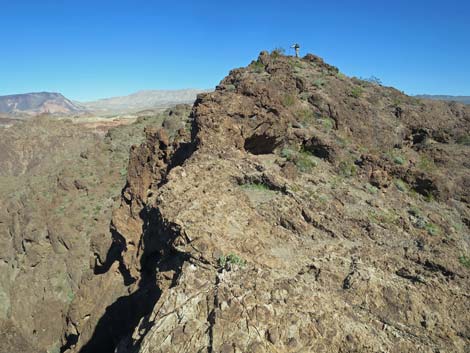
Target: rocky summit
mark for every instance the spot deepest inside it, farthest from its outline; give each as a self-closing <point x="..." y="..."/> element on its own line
<point x="294" y="209"/>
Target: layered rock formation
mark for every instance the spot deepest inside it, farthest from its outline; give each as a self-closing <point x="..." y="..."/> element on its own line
<point x="298" y="210"/>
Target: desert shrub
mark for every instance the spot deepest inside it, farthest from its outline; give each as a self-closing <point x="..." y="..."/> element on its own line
<point x="257" y="66"/>
<point x="373" y="79"/>
<point x="347" y="169"/>
<point x="277" y="52"/>
<point x="288" y="100"/>
<point x="401" y="185"/>
<point x="356" y="92"/>
<point x="305" y="162"/>
<point x="305" y="96"/>
<point x="426" y="164"/>
<point x="306" y="116"/>
<point x="231" y="259"/>
<point x="398" y="160"/>
<point x="327" y="124"/>
<point x="432" y="229"/>
<point x="371" y="189"/>
<point x="288" y="153"/>
<point x="260" y="186"/>
<point x="464" y="140"/>
<point x="465" y="261"/>
<point x="319" y="82"/>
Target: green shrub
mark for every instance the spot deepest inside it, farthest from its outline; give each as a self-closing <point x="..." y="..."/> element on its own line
<point x="426" y="164"/>
<point x="398" y="160"/>
<point x="371" y="189"/>
<point x="319" y="82"/>
<point x="347" y="169"/>
<point x="465" y="261"/>
<point x="260" y="186"/>
<point x="305" y="96"/>
<point x="288" y="153"/>
<point x="305" y="162"/>
<point x="401" y="185"/>
<point x="306" y="116"/>
<point x="288" y="100"/>
<point x="356" y="92"/>
<point x="257" y="66"/>
<point x="432" y="229"/>
<point x="464" y="140"/>
<point x="231" y="259"/>
<point x="327" y="124"/>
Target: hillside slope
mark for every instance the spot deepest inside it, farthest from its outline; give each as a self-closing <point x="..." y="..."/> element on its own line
<point x="304" y="211"/>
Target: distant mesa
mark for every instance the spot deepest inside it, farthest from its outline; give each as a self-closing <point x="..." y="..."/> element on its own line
<point x="146" y="99"/>
<point x="26" y="105"/>
<point x="30" y="104"/>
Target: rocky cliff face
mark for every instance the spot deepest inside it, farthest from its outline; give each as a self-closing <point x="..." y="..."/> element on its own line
<point x="59" y="183"/>
<point x="298" y="210"/>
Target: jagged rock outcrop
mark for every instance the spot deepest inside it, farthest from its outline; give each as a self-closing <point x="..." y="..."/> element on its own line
<point x="59" y="182"/>
<point x="304" y="212"/>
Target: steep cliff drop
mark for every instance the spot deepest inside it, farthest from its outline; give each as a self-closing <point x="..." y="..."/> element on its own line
<point x="299" y="211"/>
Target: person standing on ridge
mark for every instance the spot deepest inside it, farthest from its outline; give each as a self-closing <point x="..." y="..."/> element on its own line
<point x="297" y="49"/>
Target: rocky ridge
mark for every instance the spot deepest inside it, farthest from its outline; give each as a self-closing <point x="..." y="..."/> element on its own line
<point x="299" y="210"/>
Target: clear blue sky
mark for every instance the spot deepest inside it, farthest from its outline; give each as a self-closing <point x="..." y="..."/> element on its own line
<point x="92" y="49"/>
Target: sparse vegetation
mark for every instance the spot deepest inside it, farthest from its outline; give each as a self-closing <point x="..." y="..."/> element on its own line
<point x="327" y="124"/>
<point x="306" y="116"/>
<point x="257" y="66"/>
<point x="398" y="160"/>
<point x="260" y="186"/>
<point x="356" y="92"/>
<point x="230" y="260"/>
<point x="347" y="169"/>
<point x="320" y="82"/>
<point x="303" y="160"/>
<point x="401" y="185"/>
<point x="464" y="140"/>
<point x="371" y="189"/>
<point x="426" y="164"/>
<point x="288" y="100"/>
<point x="465" y="261"/>
<point x="432" y="228"/>
<point x="374" y="80"/>
<point x="277" y="52"/>
<point x="421" y="222"/>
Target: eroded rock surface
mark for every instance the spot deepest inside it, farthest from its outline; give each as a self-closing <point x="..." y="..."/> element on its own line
<point x="299" y="211"/>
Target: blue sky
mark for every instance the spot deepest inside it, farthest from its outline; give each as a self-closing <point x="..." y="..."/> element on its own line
<point x="93" y="49"/>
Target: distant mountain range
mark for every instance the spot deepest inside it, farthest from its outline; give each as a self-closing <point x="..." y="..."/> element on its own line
<point x="143" y="100"/>
<point x="461" y="99"/>
<point x="31" y="104"/>
<point x="38" y="103"/>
